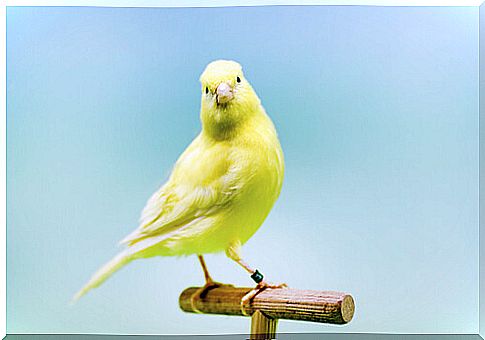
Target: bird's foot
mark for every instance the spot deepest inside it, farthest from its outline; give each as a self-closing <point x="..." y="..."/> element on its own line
<point x="200" y="293"/>
<point x="246" y="299"/>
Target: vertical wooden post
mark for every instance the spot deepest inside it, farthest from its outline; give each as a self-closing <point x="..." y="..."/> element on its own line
<point x="262" y="327"/>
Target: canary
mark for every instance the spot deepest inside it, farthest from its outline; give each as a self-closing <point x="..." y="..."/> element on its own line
<point x="221" y="188"/>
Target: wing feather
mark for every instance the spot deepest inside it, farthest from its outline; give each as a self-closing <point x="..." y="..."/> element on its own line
<point x="178" y="203"/>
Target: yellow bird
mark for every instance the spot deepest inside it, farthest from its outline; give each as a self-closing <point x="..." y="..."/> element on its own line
<point x="222" y="187"/>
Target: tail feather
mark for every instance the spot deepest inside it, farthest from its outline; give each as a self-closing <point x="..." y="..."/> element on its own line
<point x="138" y="250"/>
<point x="105" y="272"/>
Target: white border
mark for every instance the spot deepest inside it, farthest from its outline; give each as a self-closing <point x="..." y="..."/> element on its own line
<point x="142" y="3"/>
<point x="3" y="170"/>
<point x="219" y="3"/>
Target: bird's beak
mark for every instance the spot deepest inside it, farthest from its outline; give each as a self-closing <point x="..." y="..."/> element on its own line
<point x="224" y="93"/>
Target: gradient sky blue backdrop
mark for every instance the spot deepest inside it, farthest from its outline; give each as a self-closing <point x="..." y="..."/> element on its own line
<point x="377" y="112"/>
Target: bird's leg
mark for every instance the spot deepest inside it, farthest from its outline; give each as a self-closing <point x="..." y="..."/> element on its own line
<point x="234" y="253"/>
<point x="208" y="278"/>
<point x="202" y="291"/>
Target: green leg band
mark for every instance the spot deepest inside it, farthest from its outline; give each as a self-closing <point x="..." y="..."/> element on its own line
<point x="257" y="276"/>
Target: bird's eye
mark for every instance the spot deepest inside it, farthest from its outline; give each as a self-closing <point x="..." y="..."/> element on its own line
<point x="238" y="79"/>
<point x="206" y="90"/>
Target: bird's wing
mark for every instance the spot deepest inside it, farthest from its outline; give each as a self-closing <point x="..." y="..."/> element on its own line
<point x="203" y="182"/>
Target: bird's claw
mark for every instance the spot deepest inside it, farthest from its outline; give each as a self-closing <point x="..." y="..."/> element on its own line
<point x="202" y="292"/>
<point x="246" y="299"/>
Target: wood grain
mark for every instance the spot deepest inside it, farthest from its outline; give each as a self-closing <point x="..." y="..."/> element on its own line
<point x="262" y="327"/>
<point x="291" y="304"/>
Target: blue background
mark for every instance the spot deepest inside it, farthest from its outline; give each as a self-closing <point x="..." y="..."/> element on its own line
<point x="377" y="112"/>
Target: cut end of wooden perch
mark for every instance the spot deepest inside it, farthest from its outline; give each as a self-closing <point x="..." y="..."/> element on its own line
<point x="347" y="308"/>
<point x="293" y="304"/>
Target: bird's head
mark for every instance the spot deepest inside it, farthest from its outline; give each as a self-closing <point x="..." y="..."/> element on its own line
<point x="228" y="99"/>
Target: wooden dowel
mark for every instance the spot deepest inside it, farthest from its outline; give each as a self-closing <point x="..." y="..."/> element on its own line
<point x="286" y="303"/>
<point x="262" y="327"/>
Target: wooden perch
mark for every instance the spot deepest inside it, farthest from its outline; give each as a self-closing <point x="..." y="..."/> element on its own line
<point x="286" y="303"/>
